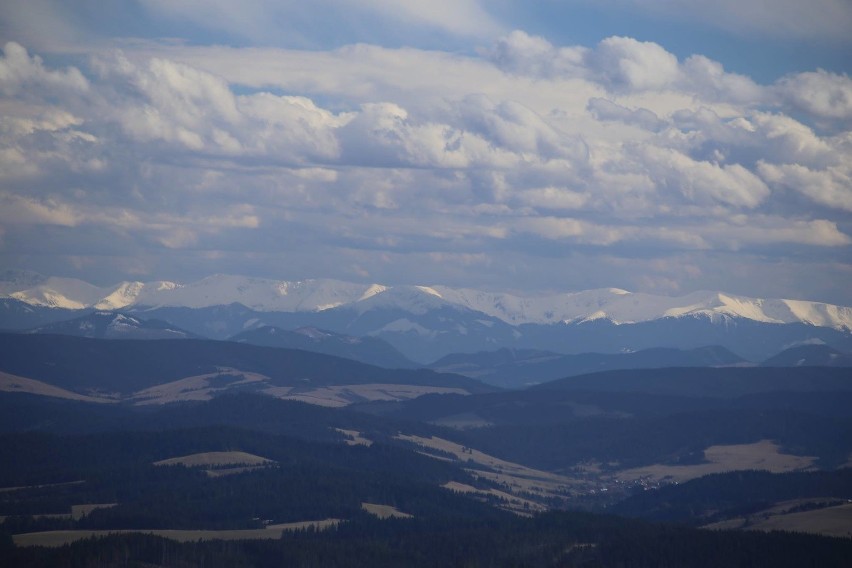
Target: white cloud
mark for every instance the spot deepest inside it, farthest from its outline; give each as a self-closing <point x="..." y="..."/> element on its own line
<point x="369" y="152"/>
<point x="23" y="210"/>
<point x="268" y="20"/>
<point x="607" y="110"/>
<point x="625" y="64"/>
<point x="524" y="54"/>
<point x="831" y="187"/>
<point x="21" y="74"/>
<point x="709" y="78"/>
<point x="554" y="198"/>
<point x="766" y="230"/>
<point x="703" y="182"/>
<point x="461" y="17"/>
<point x="826" y="96"/>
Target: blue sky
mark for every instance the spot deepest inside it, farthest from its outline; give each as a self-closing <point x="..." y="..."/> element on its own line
<point x="661" y="146"/>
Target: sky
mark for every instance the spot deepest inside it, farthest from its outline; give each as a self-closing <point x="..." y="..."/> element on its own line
<point x="661" y="146"/>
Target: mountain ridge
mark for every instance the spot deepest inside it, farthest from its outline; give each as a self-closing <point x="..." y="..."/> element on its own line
<point x="316" y="295"/>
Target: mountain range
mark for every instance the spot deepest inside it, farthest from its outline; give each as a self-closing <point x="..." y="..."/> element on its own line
<point x="264" y="295"/>
<point x="426" y="323"/>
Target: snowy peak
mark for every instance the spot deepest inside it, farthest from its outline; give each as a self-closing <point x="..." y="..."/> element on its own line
<point x="124" y="295"/>
<point x="266" y="295"/>
<point x="111" y="325"/>
<point x="416" y="300"/>
<point x="258" y="294"/>
<point x="68" y="293"/>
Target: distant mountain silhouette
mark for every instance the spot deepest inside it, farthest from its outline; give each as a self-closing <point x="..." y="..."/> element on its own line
<point x="817" y="355"/>
<point x="516" y="368"/>
<point x="370" y="350"/>
<point x="113" y="325"/>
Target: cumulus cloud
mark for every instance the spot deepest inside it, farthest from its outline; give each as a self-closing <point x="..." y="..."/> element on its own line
<point x="530" y="148"/>
<point x="709" y="78"/>
<point x="21" y="74"/>
<point x="607" y="110"/>
<point x="623" y="63"/>
<point x="826" y="96"/>
<point x="831" y="187"/>
<point x="772" y="230"/>
<point x="703" y="182"/>
<point x="525" y="54"/>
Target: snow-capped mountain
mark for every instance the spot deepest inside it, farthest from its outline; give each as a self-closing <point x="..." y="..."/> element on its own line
<point x="111" y="325"/>
<point x="265" y="295"/>
<point x="621" y="306"/>
<point x="217" y="290"/>
<point x="427" y="322"/>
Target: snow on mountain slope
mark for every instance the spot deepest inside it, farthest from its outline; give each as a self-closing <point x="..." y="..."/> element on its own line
<point x="68" y="293"/>
<point x="618" y="306"/>
<point x="517" y="310"/>
<point x="621" y="306"/>
<point x="112" y="325"/>
<point x="259" y="294"/>
<point x="416" y="300"/>
<point x="16" y="280"/>
<point x="126" y="294"/>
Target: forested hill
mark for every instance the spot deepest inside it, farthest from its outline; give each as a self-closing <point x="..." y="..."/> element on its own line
<point x="126" y="366"/>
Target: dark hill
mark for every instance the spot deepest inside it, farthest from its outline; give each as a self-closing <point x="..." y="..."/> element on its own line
<point x="125" y="366"/>
<point x="712" y="382"/>
<point x="516" y="368"/>
<point x="370" y="350"/>
<point x="113" y="325"/>
<point x="810" y="356"/>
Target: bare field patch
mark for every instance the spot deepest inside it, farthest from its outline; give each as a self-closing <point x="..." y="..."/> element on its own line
<point x="39" y="516"/>
<point x="80" y="511"/>
<point x="53" y="539"/>
<point x="302" y="525"/>
<point x="763" y="455"/>
<point x="514" y="479"/>
<point x="385" y="511"/>
<point x="14" y="383"/>
<point x="343" y="395"/>
<point x="511" y="502"/>
<point x="19" y="488"/>
<point x="195" y="388"/>
<point x="355" y="438"/>
<point x="216" y="459"/>
<point x="833" y="520"/>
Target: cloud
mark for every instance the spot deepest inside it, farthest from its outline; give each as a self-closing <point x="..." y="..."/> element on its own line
<point x="831" y="187"/>
<point x="709" y="78"/>
<point x="823" y="20"/>
<point x="461" y="17"/>
<point x="21" y="74"/>
<point x="280" y="22"/>
<point x="606" y="110"/>
<point x="826" y="96"/>
<point x="623" y="63"/>
<point x="703" y="182"/>
<point x="525" y="54"/>
<point x="767" y="230"/>
<point x="366" y="153"/>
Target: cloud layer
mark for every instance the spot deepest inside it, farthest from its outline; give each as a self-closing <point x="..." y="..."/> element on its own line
<point x="528" y="165"/>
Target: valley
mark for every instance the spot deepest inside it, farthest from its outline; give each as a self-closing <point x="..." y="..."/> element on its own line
<point x="296" y="438"/>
